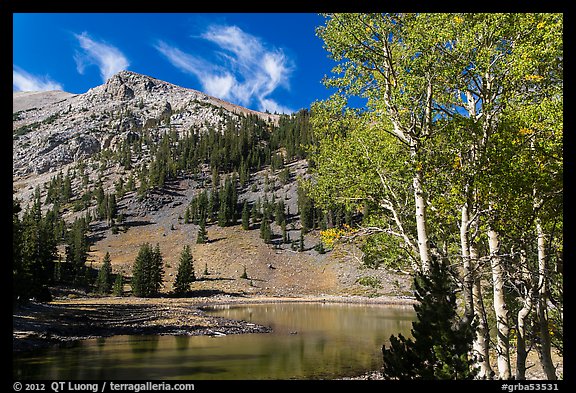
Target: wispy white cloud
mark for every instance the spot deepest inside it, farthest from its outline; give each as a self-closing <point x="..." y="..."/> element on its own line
<point x="23" y="81"/>
<point x="248" y="72"/>
<point x="108" y="58"/>
<point x="243" y="46"/>
<point x="222" y="86"/>
<point x="183" y="61"/>
<point x="215" y="80"/>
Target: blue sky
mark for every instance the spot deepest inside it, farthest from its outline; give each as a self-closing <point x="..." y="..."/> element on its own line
<point x="270" y="62"/>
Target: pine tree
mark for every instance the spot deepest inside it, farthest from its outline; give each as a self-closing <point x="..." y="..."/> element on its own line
<point x="306" y="208"/>
<point x="147" y="272"/>
<point x="185" y="275"/>
<point x="119" y="187"/>
<point x="201" y="207"/>
<point x="279" y="212"/>
<point x="144" y="181"/>
<point x="157" y="270"/>
<point x="245" y="216"/>
<point x="244" y="173"/>
<point x="257" y="211"/>
<point x="187" y="215"/>
<point x="77" y="250"/>
<point x="202" y="233"/>
<point x="441" y="340"/>
<point x="66" y="192"/>
<point x="265" y="231"/>
<point x="233" y="199"/>
<point x="223" y="212"/>
<point x="104" y="280"/>
<point x="100" y="201"/>
<point x="215" y="179"/>
<point x="111" y="208"/>
<point x="213" y="204"/>
<point x="284" y="176"/>
<point x="118" y="289"/>
<point x="301" y="243"/>
<point x="285" y="238"/>
<point x="140" y="271"/>
<point x="130" y="184"/>
<point x="267" y="213"/>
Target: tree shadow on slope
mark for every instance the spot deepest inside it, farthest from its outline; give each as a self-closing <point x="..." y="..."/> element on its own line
<point x="204" y="278"/>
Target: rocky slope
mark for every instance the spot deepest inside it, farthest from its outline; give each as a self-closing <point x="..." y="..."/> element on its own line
<point x="30" y="100"/>
<point x="273" y="270"/>
<point x="51" y="129"/>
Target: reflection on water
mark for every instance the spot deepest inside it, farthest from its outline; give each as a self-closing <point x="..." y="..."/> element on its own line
<point x="309" y="341"/>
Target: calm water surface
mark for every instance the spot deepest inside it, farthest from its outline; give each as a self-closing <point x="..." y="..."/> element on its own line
<point x="309" y="341"/>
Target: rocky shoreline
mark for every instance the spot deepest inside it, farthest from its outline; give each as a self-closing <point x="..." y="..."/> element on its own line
<point x="63" y="321"/>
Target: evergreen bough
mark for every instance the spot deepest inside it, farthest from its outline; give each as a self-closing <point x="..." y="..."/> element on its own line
<point x="442" y="342"/>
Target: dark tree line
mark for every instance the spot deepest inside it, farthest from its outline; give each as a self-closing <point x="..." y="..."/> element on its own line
<point x="36" y="263"/>
<point x="294" y="133"/>
<point x="242" y="147"/>
<point x="313" y="217"/>
<point x="59" y="189"/>
<point x="34" y="252"/>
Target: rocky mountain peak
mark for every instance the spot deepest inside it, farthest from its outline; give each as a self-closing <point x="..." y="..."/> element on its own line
<point x="128" y="85"/>
<point x="50" y="133"/>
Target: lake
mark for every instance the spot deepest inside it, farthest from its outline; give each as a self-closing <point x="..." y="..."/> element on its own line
<point x="309" y="341"/>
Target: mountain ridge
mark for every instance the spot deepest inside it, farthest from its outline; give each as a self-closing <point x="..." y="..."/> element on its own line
<point x="69" y="127"/>
<point x="122" y="76"/>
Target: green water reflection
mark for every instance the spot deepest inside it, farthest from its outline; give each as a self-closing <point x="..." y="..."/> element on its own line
<point x="309" y="341"/>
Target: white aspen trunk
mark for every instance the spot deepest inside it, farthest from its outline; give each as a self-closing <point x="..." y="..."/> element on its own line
<point x="481" y="344"/>
<point x="479" y="349"/>
<point x="466" y="267"/>
<point x="521" y="353"/>
<point x="423" y="246"/>
<point x="410" y="137"/>
<point x="544" y="348"/>
<point x="522" y="319"/>
<point x="500" y="309"/>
